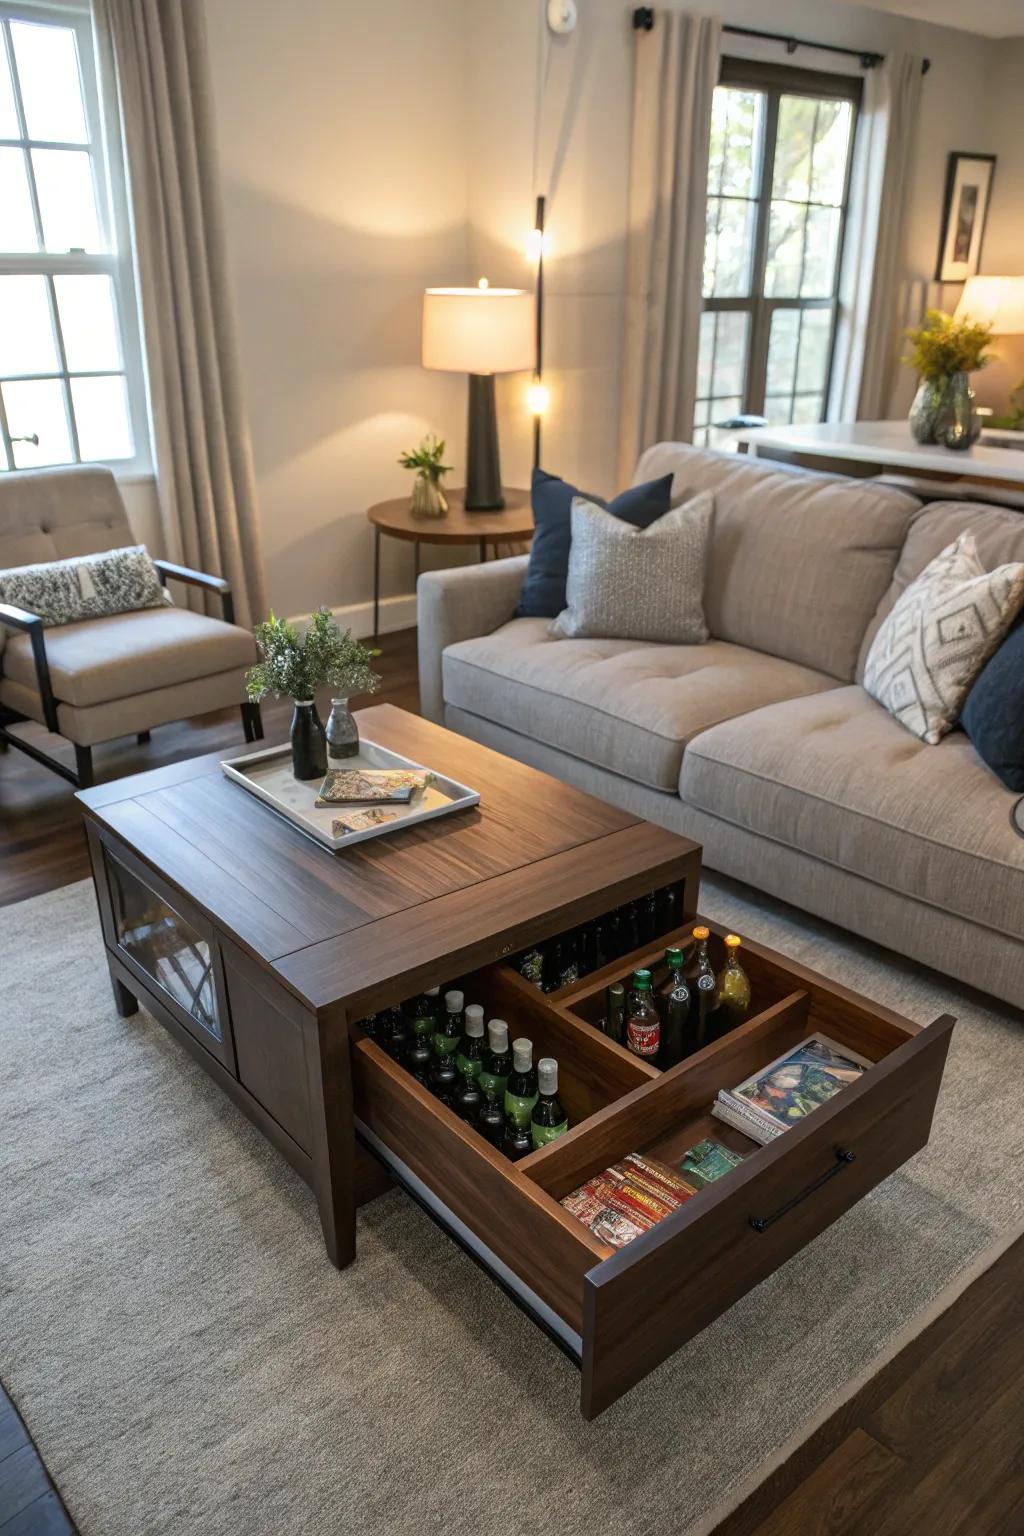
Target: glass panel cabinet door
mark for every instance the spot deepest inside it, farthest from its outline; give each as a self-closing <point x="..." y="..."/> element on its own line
<point x="165" y="946"/>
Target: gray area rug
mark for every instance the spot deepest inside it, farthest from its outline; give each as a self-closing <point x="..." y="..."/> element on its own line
<point x="189" y="1362"/>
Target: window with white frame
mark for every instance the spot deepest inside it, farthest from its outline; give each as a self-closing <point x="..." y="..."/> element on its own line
<point x="71" y="388"/>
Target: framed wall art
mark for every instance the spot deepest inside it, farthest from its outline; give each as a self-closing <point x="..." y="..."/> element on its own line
<point x="965" y="209"/>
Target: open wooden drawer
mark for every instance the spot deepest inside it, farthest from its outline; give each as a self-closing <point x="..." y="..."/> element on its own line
<point x="618" y="1313"/>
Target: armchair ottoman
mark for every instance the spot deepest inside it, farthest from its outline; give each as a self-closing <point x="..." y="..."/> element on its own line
<point x="97" y="679"/>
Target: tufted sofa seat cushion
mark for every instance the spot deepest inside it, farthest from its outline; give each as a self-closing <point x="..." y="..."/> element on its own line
<point x="835" y="776"/>
<point x="624" y="705"/>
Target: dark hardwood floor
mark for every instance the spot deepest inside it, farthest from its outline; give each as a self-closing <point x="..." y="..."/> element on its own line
<point x="933" y="1443"/>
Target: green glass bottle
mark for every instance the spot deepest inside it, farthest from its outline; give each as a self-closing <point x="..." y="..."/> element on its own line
<point x="468" y="1057"/>
<point x="490" y="1120"/>
<point x="443" y="1071"/>
<point x="674" y="1007"/>
<point x="497" y="1060"/>
<point x="548" y="1119"/>
<point x="521" y="1088"/>
<point x="424" y="1012"/>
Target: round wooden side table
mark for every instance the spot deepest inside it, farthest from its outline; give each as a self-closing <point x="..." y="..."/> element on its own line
<point x="395" y="520"/>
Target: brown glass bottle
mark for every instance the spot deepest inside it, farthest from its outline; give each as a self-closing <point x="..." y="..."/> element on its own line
<point x="703" y="990"/>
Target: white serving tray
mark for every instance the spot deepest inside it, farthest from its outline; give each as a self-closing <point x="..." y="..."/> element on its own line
<point x="267" y="774"/>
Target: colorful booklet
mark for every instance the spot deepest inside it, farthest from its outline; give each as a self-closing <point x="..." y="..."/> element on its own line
<point x="790" y="1088"/>
<point x="361" y="821"/>
<point x="363" y="786"/>
<point x="629" y="1198"/>
<point x="708" y="1161"/>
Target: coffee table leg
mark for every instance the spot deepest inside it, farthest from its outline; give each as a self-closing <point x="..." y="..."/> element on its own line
<point x="483" y="549"/>
<point x="376" y="582"/>
<point x="333" y="1134"/>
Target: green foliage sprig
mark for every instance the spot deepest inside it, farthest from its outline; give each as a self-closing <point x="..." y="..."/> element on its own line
<point x="426" y="459"/>
<point x="943" y="345"/>
<point x="294" y="666"/>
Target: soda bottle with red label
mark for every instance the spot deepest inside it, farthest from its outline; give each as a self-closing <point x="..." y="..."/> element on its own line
<point x="643" y="1024"/>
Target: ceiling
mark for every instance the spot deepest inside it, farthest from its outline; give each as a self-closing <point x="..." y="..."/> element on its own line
<point x="988" y="18"/>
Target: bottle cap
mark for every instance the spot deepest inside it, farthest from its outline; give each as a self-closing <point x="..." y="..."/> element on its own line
<point x="616" y="990"/>
<point x="497" y="1036"/>
<point x="547" y="1074"/>
<point x="733" y="940"/>
<point x="642" y="981"/>
<point x="433" y="991"/>
<point x="522" y="1054"/>
<point x="475" y="1020"/>
<point x="673" y="956"/>
<point x="454" y="1000"/>
<point x="702" y="933"/>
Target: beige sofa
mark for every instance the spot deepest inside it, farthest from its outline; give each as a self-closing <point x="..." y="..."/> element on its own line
<point x="761" y="744"/>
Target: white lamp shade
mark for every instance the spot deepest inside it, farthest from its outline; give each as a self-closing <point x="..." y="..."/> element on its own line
<point x="997" y="301"/>
<point x="478" y="330"/>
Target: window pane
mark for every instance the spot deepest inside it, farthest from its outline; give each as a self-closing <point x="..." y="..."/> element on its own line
<point x="831" y="147"/>
<point x="785" y="250"/>
<point x="807" y="408"/>
<point x="815" y="333"/>
<point x="821" y="252"/>
<point x="46" y="58"/>
<point x="67" y="199"/>
<point x="26" y="327"/>
<point x="101" y="416"/>
<point x="736" y="124"/>
<point x="777" y="409"/>
<point x="722" y="362"/>
<point x="728" y="248"/>
<point x="88" y="322"/>
<point x="17" y="225"/>
<point x="37" y="407"/>
<point x="782" y="346"/>
<point x="791" y="174"/>
<point x="8" y="114"/>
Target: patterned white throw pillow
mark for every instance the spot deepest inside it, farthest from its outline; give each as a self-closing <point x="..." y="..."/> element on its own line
<point x="637" y="583"/>
<point x="86" y="586"/>
<point x="937" y="638"/>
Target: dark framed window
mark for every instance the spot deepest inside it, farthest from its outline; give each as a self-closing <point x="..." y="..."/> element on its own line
<point x="778" y="188"/>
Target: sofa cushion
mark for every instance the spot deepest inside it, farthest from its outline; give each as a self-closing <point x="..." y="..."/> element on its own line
<point x="97" y="660"/>
<point x="624" y="705"/>
<point x="838" y="778"/>
<point x="798" y="561"/>
<point x="998" y="534"/>
<point x="993" y="716"/>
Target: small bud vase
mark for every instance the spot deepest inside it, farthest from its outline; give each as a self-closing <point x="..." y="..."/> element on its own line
<point x="428" y="498"/>
<point x="309" y="747"/>
<point x="342" y="732"/>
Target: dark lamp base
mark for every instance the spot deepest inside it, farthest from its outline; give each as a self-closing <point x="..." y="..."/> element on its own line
<point x="483" y="465"/>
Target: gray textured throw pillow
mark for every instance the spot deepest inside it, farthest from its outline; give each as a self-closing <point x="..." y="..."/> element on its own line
<point x="637" y="583"/>
<point x="86" y="586"/>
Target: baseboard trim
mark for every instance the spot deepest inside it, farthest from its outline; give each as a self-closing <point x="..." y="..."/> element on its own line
<point x="395" y="613"/>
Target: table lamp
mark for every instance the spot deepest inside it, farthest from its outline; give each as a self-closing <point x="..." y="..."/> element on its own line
<point x="998" y="302"/>
<point x="480" y="331"/>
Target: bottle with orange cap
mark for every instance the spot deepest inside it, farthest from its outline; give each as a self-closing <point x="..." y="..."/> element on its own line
<point x="733" y="984"/>
<point x="703" y="989"/>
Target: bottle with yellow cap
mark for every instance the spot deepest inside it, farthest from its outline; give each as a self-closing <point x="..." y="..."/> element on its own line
<point x="703" y="989"/>
<point x="733" y="983"/>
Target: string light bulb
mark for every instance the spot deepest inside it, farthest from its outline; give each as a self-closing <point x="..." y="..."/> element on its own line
<point x="538" y="397"/>
<point x="483" y="283"/>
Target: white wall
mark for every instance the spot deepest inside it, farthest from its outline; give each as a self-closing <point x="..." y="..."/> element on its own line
<point x="342" y="130"/>
<point x="583" y="164"/>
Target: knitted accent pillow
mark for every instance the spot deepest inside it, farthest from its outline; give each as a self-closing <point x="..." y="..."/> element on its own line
<point x="637" y="583"/>
<point x="937" y="638"/>
<point x="86" y="586"/>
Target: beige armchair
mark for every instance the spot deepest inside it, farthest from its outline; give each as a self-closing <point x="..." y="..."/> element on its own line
<point x="98" y="679"/>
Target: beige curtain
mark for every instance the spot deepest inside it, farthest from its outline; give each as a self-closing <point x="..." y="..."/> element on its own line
<point x="155" y="51"/>
<point x="868" y="341"/>
<point x="675" y="73"/>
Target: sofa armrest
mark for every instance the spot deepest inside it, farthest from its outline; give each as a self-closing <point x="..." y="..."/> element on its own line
<point x="191" y="578"/>
<point x="32" y="624"/>
<point x="458" y="605"/>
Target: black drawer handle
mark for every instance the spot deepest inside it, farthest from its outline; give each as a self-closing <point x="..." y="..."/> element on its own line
<point x="843" y="1157"/>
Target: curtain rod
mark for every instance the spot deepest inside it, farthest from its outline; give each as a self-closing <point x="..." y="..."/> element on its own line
<point x="643" y="21"/>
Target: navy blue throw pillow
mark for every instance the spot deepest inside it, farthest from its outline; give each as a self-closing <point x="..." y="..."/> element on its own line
<point x="993" y="716"/>
<point x="543" y="594"/>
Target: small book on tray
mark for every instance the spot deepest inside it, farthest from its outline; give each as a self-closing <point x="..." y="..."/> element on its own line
<point x="782" y="1094"/>
<point x="369" y="786"/>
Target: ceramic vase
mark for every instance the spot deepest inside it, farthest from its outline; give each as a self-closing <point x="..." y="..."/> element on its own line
<point x="309" y="745"/>
<point x="428" y="498"/>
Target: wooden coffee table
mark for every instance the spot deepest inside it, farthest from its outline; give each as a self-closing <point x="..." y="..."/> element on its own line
<point x="261" y="952"/>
